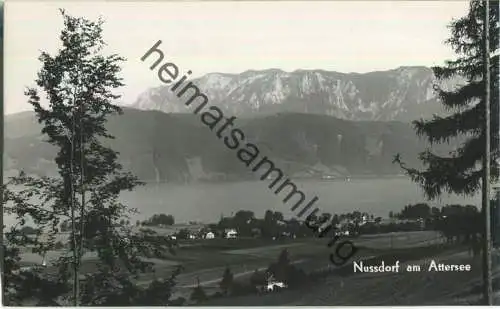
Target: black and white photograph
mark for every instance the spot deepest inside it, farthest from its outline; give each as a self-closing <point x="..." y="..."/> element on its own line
<point x="250" y="153"/>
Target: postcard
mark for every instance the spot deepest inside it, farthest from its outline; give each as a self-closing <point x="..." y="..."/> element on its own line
<point x="242" y="153"/>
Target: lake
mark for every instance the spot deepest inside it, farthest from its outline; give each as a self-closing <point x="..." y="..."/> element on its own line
<point x="206" y="202"/>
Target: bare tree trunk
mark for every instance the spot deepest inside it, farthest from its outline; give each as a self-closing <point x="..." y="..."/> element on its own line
<point x="73" y="217"/>
<point x="487" y="276"/>
<point x="82" y="183"/>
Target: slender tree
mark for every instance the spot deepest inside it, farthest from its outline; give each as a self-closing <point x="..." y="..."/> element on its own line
<point x="79" y="82"/>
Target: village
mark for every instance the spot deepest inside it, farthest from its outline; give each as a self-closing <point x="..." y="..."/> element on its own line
<point x="274" y="226"/>
<point x="273" y="254"/>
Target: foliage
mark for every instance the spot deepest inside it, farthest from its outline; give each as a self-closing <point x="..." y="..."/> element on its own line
<point x="274" y="225"/>
<point x="227" y="281"/>
<point x="120" y="291"/>
<point x="282" y="270"/>
<point x="198" y="294"/>
<point x="373" y="228"/>
<point x="160" y="219"/>
<point x="458" y="222"/>
<point x="284" y="257"/>
<point x="28" y="230"/>
<point x="65" y="226"/>
<point x="183" y="234"/>
<point x="78" y="84"/>
<point x="417" y="211"/>
<point x="460" y="172"/>
<point x="244" y="220"/>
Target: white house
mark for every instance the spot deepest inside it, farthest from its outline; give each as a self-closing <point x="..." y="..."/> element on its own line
<point x="280" y="222"/>
<point x="231" y="233"/>
<point x="364" y="220"/>
<point x="210" y="235"/>
<point x="272" y="284"/>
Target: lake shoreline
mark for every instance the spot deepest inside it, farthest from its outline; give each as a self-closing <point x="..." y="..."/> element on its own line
<point x="304" y="179"/>
<point x="207" y="202"/>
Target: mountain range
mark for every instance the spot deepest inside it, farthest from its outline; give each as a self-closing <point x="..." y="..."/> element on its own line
<point x="402" y="94"/>
<point x="311" y="123"/>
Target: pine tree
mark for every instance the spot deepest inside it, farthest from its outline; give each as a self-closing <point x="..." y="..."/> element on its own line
<point x="461" y="171"/>
<point x="280" y="270"/>
<point x="284" y="258"/>
<point x="198" y="294"/>
<point x="227" y="280"/>
<point x="78" y="83"/>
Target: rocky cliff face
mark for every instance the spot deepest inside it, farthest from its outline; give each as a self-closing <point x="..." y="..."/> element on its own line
<point x="402" y="94"/>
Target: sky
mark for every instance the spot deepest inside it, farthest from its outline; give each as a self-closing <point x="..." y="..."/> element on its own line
<point x="232" y="37"/>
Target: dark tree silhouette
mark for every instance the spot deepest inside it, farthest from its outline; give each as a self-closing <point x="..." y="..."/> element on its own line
<point x="460" y="172"/>
<point x="283" y="270"/>
<point x="198" y="294"/>
<point x="160" y="219"/>
<point x="417" y="211"/>
<point x="227" y="281"/>
<point x="460" y="223"/>
<point x="243" y="221"/>
<point x="284" y="258"/>
<point x="183" y="234"/>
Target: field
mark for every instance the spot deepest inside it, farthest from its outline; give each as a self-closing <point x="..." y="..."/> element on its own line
<point x="374" y="289"/>
<point x="210" y="253"/>
<point x="205" y="260"/>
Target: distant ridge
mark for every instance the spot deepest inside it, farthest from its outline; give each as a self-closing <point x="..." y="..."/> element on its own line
<point x="403" y="94"/>
<point x="160" y="147"/>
